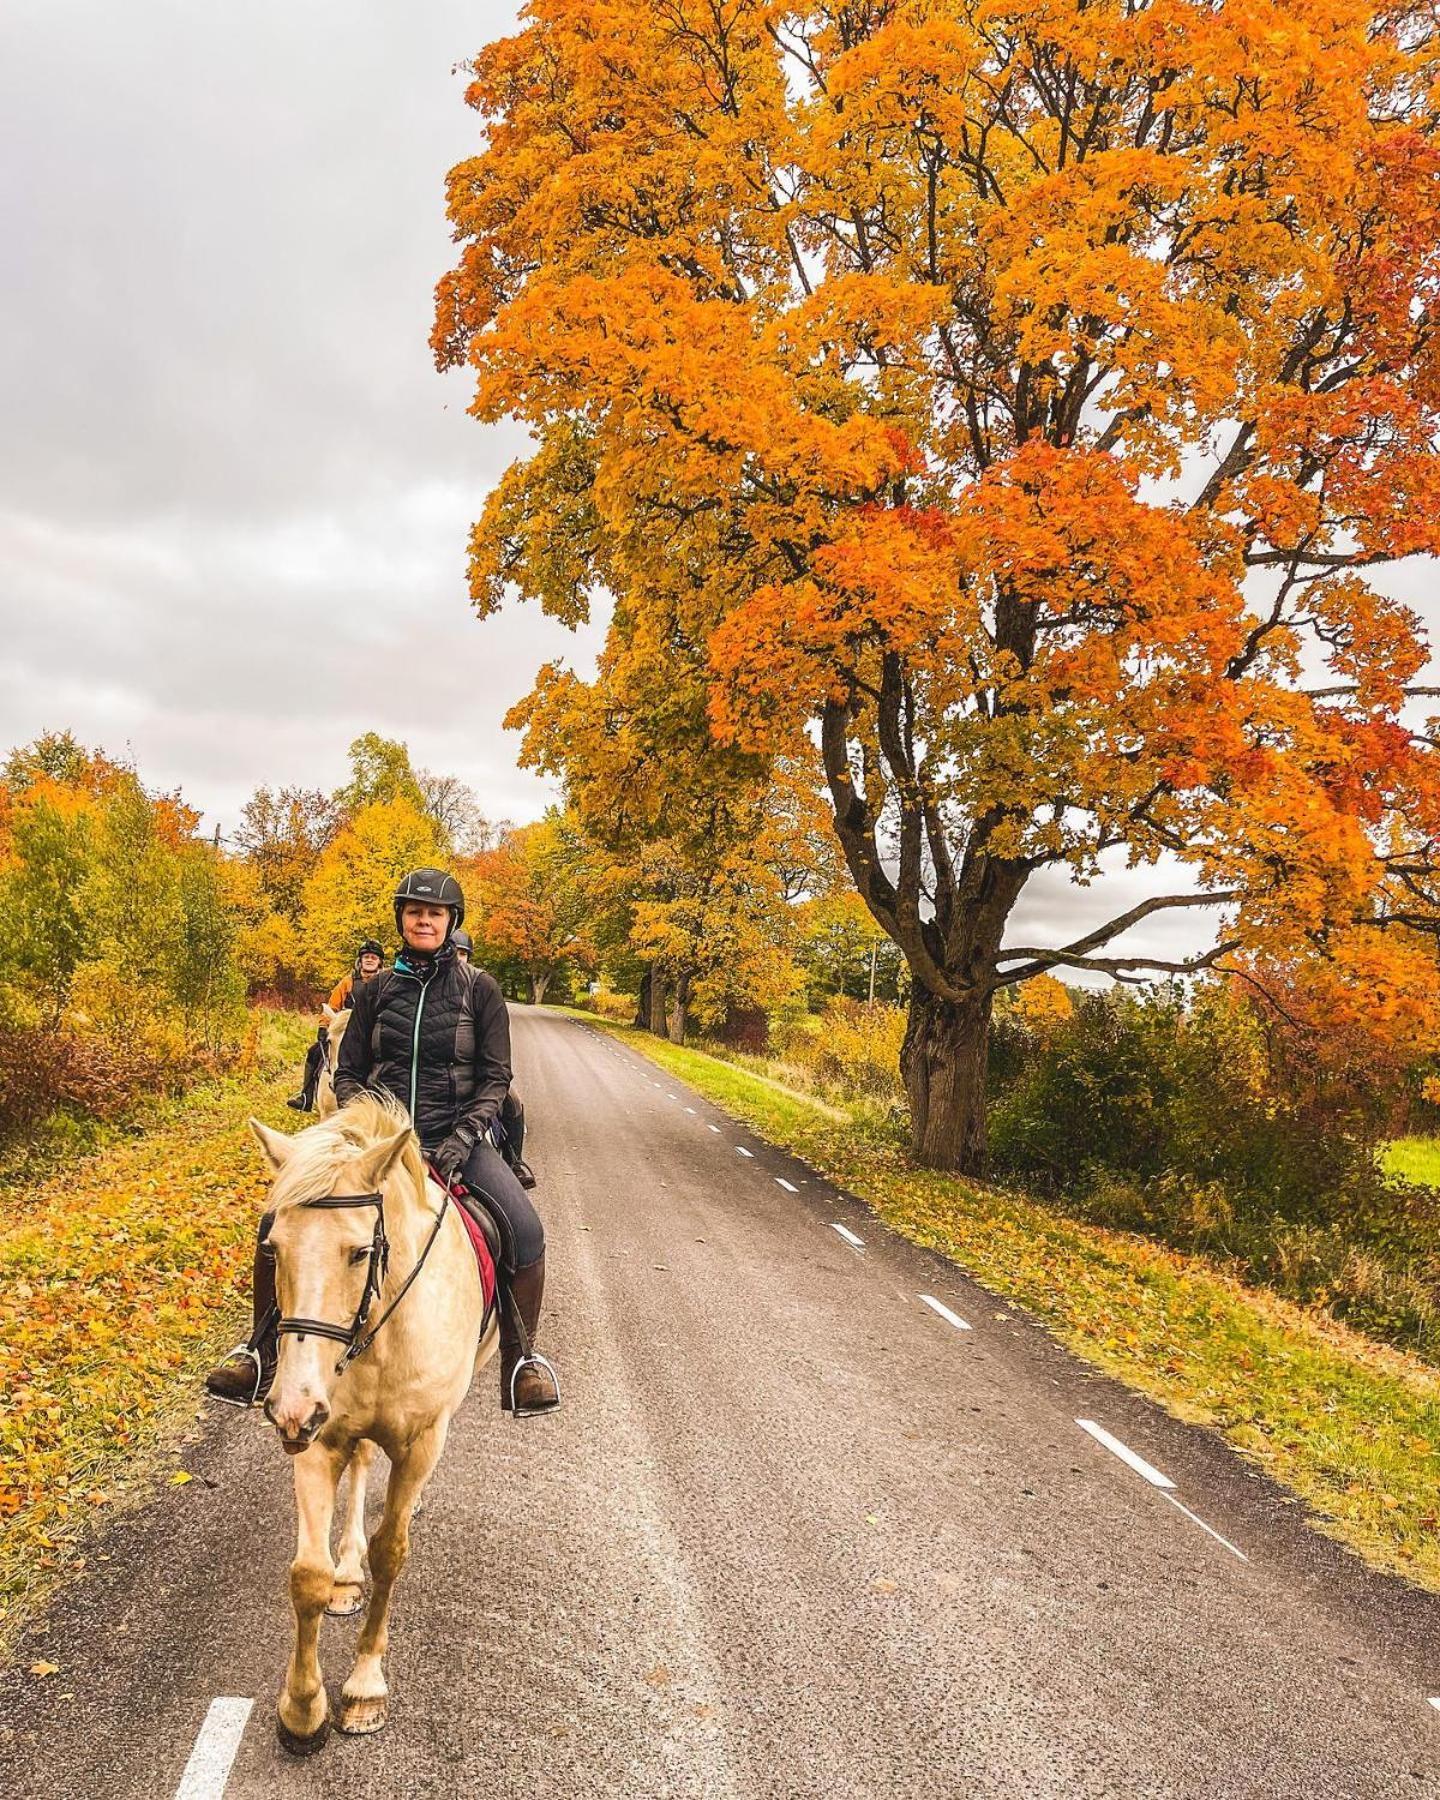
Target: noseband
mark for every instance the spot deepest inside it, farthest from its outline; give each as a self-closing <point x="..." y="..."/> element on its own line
<point x="354" y="1336"/>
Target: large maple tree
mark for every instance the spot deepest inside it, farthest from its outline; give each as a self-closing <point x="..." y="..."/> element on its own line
<point x="1010" y="398"/>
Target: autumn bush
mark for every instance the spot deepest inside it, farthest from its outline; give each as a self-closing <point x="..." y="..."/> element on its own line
<point x="1188" y="1119"/>
<point x="42" y="1070"/>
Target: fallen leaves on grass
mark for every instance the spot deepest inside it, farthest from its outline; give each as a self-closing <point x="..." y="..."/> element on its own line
<point x="115" y="1283"/>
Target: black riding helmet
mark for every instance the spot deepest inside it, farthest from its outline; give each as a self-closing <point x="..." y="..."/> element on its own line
<point x="461" y="941"/>
<point x="371" y="947"/>
<point x="436" y="888"/>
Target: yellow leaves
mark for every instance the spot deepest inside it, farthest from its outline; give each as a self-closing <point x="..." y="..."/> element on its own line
<point x="44" y="1669"/>
<point x="115" y="1279"/>
<point x="180" y="1478"/>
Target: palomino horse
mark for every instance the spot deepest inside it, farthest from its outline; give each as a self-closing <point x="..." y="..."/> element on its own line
<point x="363" y="1361"/>
<point x="335" y="1023"/>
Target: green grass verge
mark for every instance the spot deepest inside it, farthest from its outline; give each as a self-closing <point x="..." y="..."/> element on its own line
<point x="1350" y="1426"/>
<point x="1413" y="1159"/>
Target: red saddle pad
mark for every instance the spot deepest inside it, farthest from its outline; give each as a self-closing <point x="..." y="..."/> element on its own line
<point x="483" y="1257"/>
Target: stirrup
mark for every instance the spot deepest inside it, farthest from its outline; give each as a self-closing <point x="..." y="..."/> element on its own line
<point x="254" y="1355"/>
<point x="533" y="1361"/>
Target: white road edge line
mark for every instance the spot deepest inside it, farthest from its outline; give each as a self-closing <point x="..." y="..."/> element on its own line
<point x="691" y="1111"/>
<point x="210" y="1761"/>
<point x="789" y="1186"/>
<point x="945" y="1313"/>
<point x="1204" y="1527"/>
<point x="1138" y="1463"/>
<point x="740" y="1150"/>
<point x="1435" y="1701"/>
<point x="856" y="1243"/>
<point x="716" y="1130"/>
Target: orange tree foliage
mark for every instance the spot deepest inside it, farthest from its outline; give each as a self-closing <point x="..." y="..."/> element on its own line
<point x="1013" y="396"/>
<point x="533" y="899"/>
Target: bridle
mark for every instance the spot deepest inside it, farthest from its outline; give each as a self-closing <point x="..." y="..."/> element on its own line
<point x="356" y="1339"/>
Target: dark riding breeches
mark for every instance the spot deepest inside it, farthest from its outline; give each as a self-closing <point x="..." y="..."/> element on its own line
<point x="314" y="1064"/>
<point x="489" y="1177"/>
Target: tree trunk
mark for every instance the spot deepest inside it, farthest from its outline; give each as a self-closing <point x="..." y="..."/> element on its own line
<point x="657" y="1003"/>
<point x="680" y="1010"/>
<point x="642" y="1005"/>
<point x="943" y="1065"/>
<point x="538" y="985"/>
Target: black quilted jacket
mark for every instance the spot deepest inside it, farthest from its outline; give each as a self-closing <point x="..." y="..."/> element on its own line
<point x="435" y="1034"/>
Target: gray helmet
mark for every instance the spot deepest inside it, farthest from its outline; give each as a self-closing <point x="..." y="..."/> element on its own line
<point x="435" y="888"/>
<point x="461" y="941"/>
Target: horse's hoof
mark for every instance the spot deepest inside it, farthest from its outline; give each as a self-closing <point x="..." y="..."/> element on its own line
<point x="346" y="1599"/>
<point x="301" y="1746"/>
<point x="357" y="1717"/>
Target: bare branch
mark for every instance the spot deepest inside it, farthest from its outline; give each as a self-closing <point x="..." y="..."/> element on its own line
<point x="1103" y="934"/>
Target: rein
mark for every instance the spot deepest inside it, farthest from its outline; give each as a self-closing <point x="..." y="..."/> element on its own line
<point x="356" y="1339"/>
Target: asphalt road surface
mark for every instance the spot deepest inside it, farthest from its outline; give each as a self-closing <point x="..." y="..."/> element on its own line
<point x="796" y="1531"/>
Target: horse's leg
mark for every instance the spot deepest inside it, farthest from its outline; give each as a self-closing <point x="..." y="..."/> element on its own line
<point x="304" y="1711"/>
<point x="347" y="1596"/>
<point x="363" y="1698"/>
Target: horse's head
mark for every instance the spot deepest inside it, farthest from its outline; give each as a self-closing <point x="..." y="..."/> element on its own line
<point x="328" y="1239"/>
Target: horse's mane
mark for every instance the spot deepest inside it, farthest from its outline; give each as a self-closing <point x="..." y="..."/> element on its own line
<point x="323" y="1150"/>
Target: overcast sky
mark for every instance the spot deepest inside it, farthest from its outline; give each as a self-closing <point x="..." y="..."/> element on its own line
<point x="234" y="493"/>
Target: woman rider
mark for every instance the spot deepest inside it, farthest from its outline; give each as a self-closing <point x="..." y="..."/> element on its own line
<point x="434" y="1033"/>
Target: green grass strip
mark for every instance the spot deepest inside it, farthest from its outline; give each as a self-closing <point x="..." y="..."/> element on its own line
<point x="1350" y="1426"/>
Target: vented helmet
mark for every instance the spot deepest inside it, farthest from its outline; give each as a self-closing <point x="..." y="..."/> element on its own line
<point x="435" y="888"/>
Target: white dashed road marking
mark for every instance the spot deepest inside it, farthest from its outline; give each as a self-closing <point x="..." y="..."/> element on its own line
<point x="742" y="1151"/>
<point x="1151" y="1474"/>
<point x="691" y="1111"/>
<point x="789" y="1186"/>
<point x="716" y="1130"/>
<point x="945" y="1313"/>
<point x="209" y="1766"/>
<point x="1138" y="1463"/>
<point x="1207" y="1528"/>
<point x="1435" y="1701"/>
<point x="856" y="1243"/>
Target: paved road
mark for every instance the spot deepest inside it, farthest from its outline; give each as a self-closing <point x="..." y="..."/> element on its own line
<point x="794" y="1533"/>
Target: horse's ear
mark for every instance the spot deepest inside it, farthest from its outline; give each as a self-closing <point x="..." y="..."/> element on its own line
<point x="276" y="1148"/>
<point x="329" y="1014"/>
<point x="378" y="1161"/>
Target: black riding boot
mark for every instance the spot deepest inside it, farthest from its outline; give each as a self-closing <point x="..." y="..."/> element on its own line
<point x="304" y="1101"/>
<point x="528" y="1383"/>
<point x="244" y="1378"/>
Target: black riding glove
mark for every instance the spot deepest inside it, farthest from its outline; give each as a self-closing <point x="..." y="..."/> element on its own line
<point x="452" y="1155"/>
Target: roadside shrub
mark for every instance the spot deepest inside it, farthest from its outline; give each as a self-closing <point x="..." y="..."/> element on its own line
<point x="84" y="1073"/>
<point x="854" y="1050"/>
<point x="1172" y="1116"/>
<point x="608" y="1005"/>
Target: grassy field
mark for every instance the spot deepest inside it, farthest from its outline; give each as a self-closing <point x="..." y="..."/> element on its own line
<point x="1413" y="1159"/>
<point x="1351" y="1426"/>
<point x="118" y="1281"/>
